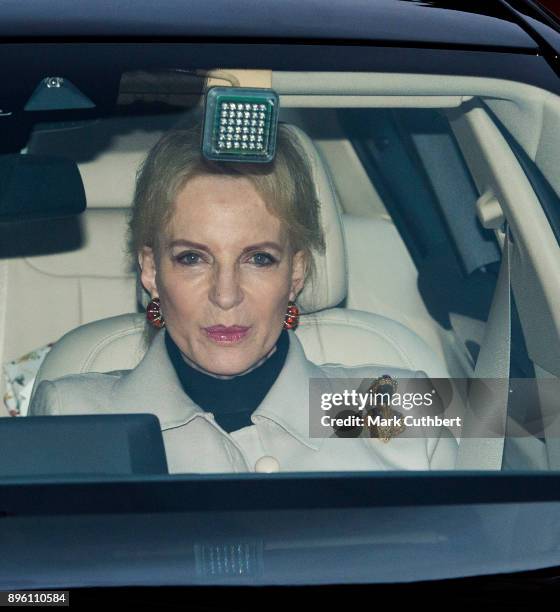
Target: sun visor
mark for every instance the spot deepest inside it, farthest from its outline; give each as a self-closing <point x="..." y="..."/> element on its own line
<point x="38" y="186"/>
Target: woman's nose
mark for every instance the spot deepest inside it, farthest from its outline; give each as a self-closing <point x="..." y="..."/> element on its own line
<point x="226" y="291"/>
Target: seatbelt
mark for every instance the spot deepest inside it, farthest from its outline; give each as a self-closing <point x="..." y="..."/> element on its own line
<point x="477" y="450"/>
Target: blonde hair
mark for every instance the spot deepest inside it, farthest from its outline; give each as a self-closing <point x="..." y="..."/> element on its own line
<point x="286" y="186"/>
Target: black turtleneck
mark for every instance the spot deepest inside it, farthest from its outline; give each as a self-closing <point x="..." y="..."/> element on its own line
<point x="231" y="400"/>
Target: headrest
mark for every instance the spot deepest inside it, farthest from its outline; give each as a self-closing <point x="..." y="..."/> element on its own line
<point x="330" y="286"/>
<point x="109" y="178"/>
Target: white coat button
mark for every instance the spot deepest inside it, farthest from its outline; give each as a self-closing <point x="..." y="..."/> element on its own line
<point x="267" y="465"/>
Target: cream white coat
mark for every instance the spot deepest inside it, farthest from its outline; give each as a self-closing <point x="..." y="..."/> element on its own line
<point x="194" y="442"/>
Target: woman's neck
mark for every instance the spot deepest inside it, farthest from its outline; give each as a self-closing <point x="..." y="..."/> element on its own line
<point x="195" y="366"/>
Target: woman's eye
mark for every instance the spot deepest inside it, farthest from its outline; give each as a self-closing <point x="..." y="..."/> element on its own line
<point x="189" y="259"/>
<point x="263" y="259"/>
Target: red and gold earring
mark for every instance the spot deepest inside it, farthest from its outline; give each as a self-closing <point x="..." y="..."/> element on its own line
<point x="291" y="318"/>
<point x="153" y="313"/>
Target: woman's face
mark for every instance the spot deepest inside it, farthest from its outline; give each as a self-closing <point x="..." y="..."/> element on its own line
<point x="224" y="273"/>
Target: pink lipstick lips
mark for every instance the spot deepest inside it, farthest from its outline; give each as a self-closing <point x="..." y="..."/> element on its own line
<point x="226" y="335"/>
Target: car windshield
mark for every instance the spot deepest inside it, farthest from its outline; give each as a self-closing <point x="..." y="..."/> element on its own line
<point x="220" y="275"/>
<point x="340" y="290"/>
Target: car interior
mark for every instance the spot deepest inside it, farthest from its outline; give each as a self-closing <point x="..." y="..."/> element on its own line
<point x="423" y="182"/>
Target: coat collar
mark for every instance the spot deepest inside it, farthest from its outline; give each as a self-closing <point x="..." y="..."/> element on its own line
<point x="154" y="386"/>
<point x="287" y="401"/>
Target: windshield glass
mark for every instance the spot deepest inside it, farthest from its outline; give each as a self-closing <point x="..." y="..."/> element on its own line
<point x="292" y="272"/>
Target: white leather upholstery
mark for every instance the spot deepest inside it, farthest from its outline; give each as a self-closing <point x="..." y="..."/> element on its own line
<point x="116" y="343"/>
<point x="333" y="336"/>
<point x="86" y="276"/>
<point x="382" y="277"/>
<point x="353" y="337"/>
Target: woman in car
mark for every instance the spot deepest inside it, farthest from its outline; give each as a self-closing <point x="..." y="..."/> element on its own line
<point x="224" y="250"/>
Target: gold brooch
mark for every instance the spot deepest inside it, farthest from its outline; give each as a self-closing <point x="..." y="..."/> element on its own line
<point x="384" y="423"/>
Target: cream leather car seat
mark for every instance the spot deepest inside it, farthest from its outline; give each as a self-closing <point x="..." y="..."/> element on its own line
<point x="329" y="334"/>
